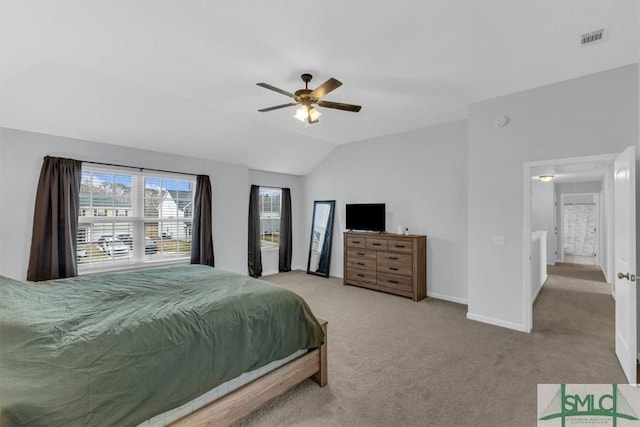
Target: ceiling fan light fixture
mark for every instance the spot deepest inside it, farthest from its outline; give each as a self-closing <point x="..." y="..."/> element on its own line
<point x="302" y="114"/>
<point x="306" y="98"/>
<point x="314" y="114"/>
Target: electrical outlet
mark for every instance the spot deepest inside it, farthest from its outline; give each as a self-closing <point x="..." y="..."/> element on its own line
<point x="498" y="240"/>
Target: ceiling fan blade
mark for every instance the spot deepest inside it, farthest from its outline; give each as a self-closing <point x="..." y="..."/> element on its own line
<point x="275" y="89"/>
<point x="277" y="107"/>
<point x="325" y="88"/>
<point x="339" y="106"/>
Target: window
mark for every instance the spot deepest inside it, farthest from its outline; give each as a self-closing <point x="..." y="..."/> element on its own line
<point x="270" y="203"/>
<point x="138" y="218"/>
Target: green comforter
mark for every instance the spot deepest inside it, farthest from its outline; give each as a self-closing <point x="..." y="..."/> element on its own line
<point x="119" y="348"/>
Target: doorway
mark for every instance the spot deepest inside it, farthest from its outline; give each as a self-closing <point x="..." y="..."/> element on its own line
<point x="579" y="226"/>
<point x="568" y="176"/>
<point x="618" y="198"/>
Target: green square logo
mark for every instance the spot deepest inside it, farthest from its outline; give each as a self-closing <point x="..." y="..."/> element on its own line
<point x="588" y="405"/>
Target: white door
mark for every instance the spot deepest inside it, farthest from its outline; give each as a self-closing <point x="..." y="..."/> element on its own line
<point x="625" y="261"/>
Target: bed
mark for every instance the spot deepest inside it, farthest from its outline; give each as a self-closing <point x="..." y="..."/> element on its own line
<point x="121" y="348"/>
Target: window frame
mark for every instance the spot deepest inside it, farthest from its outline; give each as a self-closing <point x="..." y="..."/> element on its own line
<point x="273" y="246"/>
<point x="135" y="217"/>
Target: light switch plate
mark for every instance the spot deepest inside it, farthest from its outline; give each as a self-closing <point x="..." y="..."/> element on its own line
<point x="498" y="240"/>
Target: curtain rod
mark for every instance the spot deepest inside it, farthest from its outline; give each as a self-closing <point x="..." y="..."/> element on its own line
<point x="138" y="168"/>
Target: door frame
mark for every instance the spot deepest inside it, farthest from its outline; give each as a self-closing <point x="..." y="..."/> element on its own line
<point x="527" y="299"/>
<point x="598" y="242"/>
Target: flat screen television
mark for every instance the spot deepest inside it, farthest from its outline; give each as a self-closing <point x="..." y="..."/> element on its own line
<point x="366" y="217"/>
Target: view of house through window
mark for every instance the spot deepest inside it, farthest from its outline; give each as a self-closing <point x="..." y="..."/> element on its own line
<point x="270" y="203"/>
<point x="133" y="218"/>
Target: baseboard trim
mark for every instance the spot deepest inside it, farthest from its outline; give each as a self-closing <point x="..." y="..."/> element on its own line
<point x="272" y="272"/>
<point x="497" y="322"/>
<point x="447" y="298"/>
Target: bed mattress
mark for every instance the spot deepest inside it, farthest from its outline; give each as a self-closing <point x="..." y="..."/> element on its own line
<point x="117" y="349"/>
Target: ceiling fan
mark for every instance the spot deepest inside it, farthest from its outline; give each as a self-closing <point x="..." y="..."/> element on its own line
<point x="306" y="98"/>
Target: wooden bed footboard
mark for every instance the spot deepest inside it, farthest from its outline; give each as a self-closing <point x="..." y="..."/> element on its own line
<point x="241" y="402"/>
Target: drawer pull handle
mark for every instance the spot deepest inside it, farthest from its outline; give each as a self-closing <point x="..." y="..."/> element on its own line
<point x="360" y="275"/>
<point x="361" y="254"/>
<point x="393" y="281"/>
<point x="360" y="263"/>
<point x="393" y="257"/>
<point x="393" y="268"/>
<point x="356" y="241"/>
<point x="399" y="246"/>
<point x="376" y="244"/>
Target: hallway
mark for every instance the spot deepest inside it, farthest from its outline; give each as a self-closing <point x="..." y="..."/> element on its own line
<point x="576" y="303"/>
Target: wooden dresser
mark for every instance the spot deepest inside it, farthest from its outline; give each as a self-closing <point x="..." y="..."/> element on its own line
<point x="392" y="263"/>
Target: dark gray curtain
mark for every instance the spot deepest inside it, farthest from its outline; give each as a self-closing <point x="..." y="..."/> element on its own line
<point x="285" y="250"/>
<point x="55" y="220"/>
<point x="325" y="255"/>
<point x="254" y="253"/>
<point x="202" y="237"/>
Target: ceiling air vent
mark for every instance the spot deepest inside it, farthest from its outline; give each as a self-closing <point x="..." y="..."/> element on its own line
<point x="592" y="37"/>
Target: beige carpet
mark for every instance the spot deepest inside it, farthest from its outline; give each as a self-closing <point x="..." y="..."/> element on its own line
<point x="577" y="271"/>
<point x="395" y="362"/>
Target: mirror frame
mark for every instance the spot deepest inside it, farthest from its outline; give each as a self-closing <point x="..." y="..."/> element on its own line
<point x="332" y="204"/>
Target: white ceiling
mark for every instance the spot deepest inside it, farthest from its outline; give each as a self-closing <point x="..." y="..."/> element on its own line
<point x="179" y="76"/>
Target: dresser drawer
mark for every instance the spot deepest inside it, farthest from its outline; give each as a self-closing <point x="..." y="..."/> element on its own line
<point x="377" y="244"/>
<point x="389" y="257"/>
<point x="359" y="275"/>
<point x="403" y="246"/>
<point x="362" y="262"/>
<point x="400" y="283"/>
<point x="395" y="268"/>
<point x="361" y="254"/>
<point x="356" y="242"/>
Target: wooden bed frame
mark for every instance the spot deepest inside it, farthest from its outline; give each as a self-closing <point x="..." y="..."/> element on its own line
<point x="241" y="402"/>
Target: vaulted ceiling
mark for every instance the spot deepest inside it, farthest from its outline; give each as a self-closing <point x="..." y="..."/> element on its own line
<point x="180" y="76"/>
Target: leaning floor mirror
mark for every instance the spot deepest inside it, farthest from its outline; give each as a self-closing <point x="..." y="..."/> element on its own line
<point x="321" y="232"/>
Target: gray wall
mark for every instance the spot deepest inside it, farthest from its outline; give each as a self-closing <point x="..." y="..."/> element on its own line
<point x="590" y="115"/>
<point x="422" y="178"/>
<point x="578" y="187"/>
<point x="298" y="212"/>
<point x="542" y="214"/>
<point x="21" y="156"/>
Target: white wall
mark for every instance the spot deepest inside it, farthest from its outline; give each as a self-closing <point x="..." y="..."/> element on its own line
<point x="21" y="155"/>
<point x="538" y="267"/>
<point x="298" y="212"/>
<point x="542" y="209"/>
<point x="578" y="187"/>
<point x="590" y="115"/>
<point x="422" y="178"/>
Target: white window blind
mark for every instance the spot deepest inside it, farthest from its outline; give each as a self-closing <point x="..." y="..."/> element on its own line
<point x="128" y="218"/>
<point x="270" y="204"/>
